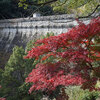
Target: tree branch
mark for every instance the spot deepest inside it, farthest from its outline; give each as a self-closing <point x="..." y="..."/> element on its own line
<point x="91" y="12"/>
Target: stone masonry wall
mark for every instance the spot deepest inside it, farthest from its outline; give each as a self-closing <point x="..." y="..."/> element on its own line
<point x="19" y="31"/>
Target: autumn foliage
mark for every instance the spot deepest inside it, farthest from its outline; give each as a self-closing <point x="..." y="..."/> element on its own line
<point x="72" y="56"/>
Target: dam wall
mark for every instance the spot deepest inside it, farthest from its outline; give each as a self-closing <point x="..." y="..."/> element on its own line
<point x="19" y="31"/>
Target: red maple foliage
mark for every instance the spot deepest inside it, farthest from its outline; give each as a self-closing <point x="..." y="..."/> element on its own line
<point x="72" y="62"/>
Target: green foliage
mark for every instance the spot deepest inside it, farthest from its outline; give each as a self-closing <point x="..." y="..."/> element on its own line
<point x="16" y="70"/>
<point x="44" y="10"/>
<point x="78" y="7"/>
<point x="10" y="9"/>
<point x="75" y="93"/>
<point x="14" y="75"/>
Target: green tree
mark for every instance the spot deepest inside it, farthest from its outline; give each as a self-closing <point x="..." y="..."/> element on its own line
<point x="76" y="6"/>
<point x="16" y="70"/>
<point x="81" y="7"/>
<point x="14" y="75"/>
